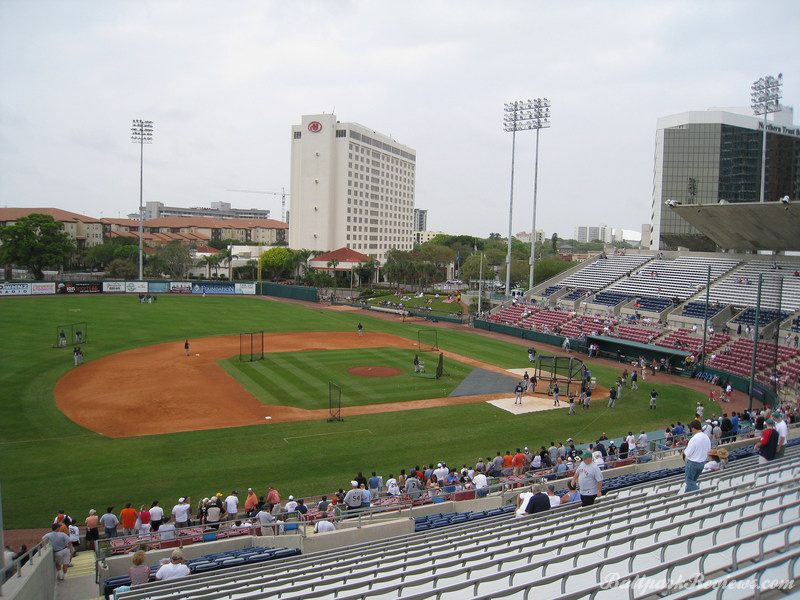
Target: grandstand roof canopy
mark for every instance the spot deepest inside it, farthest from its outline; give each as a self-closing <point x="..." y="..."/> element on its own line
<point x="747" y="226"/>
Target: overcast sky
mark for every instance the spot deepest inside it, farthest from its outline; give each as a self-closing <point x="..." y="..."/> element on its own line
<point x="224" y="81"/>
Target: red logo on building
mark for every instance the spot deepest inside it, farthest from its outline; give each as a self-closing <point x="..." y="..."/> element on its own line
<point x="315" y="127"/>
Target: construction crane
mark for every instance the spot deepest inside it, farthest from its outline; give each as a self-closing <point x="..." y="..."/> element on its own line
<point x="282" y="194"/>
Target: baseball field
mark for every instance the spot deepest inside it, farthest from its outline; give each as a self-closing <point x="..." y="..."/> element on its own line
<point x="140" y="420"/>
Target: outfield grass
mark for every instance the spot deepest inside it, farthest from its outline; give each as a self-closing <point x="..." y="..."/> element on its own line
<point x="48" y="462"/>
<point x="278" y="378"/>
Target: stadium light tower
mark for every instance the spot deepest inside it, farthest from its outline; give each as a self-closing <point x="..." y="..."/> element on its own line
<point x="523" y="115"/>
<point x="765" y="95"/>
<point x="141" y="133"/>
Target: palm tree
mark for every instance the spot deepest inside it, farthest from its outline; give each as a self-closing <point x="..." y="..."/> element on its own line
<point x="332" y="265"/>
<point x="301" y="260"/>
<point x="226" y="256"/>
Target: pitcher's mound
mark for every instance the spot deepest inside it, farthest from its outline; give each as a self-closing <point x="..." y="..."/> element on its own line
<point x="375" y="371"/>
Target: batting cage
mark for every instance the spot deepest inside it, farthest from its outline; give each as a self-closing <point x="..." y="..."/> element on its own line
<point x="251" y="346"/>
<point x="334" y="402"/>
<point x="429" y="370"/>
<point x="561" y="370"/>
<point x="71" y="335"/>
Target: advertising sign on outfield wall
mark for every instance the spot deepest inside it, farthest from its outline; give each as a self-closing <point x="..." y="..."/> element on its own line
<point x="181" y="287"/>
<point x="113" y="286"/>
<point x="77" y="287"/>
<point x="157" y="287"/>
<point x="136" y="287"/>
<point x="213" y="288"/>
<point x="15" y="289"/>
<point x="245" y="288"/>
<point x="43" y="288"/>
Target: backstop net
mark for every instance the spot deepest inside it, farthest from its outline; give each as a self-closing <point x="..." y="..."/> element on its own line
<point x="428" y="340"/>
<point x="72" y="334"/>
<point x="251" y="346"/>
<point x="334" y="402"/>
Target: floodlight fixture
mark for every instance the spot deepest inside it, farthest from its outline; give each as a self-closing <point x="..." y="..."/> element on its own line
<point x="765" y="95"/>
<point x="522" y="115"/>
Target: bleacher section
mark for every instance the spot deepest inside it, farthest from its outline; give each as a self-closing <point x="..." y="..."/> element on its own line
<point x="680" y="278"/>
<point x="611" y="299"/>
<point x="739" y="360"/>
<point x="745" y="517"/>
<point x="643" y="335"/>
<point x="604" y="272"/>
<point x="697" y="310"/>
<point x="213" y="562"/>
<point x="740" y="288"/>
<point x="683" y="339"/>
<point x="765" y="316"/>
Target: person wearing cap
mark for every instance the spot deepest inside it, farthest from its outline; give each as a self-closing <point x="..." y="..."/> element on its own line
<point x="588" y="479"/>
<point x="214" y="512"/>
<point x="232" y="505"/>
<point x="92" y="531"/>
<point x="716" y="456"/>
<point x="291" y="505"/>
<point x="767" y="445"/>
<point x="716" y="434"/>
<point x="695" y="455"/>
<point x="250" y="502"/>
<point x="352" y="499"/>
<point x="174" y="568"/>
<point x="180" y="512"/>
<point x="783" y="432"/>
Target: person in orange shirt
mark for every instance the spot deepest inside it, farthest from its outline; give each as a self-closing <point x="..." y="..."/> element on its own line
<point x="518" y="463"/>
<point x="508" y="468"/>
<point x="128" y="518"/>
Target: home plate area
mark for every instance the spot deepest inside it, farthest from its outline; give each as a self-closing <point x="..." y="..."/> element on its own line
<point x="530" y="403"/>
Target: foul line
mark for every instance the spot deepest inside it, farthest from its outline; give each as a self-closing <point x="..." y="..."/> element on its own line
<point x="297" y="437"/>
<point x="69" y="437"/>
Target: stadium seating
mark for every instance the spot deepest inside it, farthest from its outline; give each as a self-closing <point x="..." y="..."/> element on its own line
<point x="602" y="273"/>
<point x="744" y="516"/>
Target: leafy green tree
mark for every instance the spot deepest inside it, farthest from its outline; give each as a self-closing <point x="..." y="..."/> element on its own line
<point x="177" y="259"/>
<point x="276" y="262"/>
<point x="128" y="252"/>
<point x="154" y="265"/>
<point x="365" y="271"/>
<point x="554" y="242"/>
<point x="549" y="267"/>
<point x="35" y="242"/>
<point x="123" y="269"/>
<point x="320" y="279"/>
<point x="301" y="257"/>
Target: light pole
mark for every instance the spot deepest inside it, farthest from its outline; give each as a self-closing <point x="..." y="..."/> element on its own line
<point x="141" y="133"/>
<point x="765" y="95"/>
<point x="522" y="115"/>
<point x="541" y="120"/>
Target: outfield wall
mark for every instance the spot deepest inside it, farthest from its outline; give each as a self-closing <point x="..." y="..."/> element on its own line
<point x="45" y="288"/>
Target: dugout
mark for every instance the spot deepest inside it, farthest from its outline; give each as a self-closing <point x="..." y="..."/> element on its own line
<point x="608" y="347"/>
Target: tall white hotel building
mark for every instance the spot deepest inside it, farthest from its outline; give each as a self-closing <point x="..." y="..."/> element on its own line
<point x="350" y="187"/>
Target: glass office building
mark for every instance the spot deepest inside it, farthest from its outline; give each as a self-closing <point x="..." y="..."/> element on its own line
<point x="714" y="156"/>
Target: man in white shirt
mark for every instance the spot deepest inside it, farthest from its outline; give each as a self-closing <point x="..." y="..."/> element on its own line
<point x="291" y="505"/>
<point x="180" y="512"/>
<point x="324" y="527"/>
<point x="232" y="505"/>
<point x="588" y="479"/>
<point x="175" y="568"/>
<point x="695" y="455"/>
<point x="156" y="516"/>
<point x="783" y="432"/>
<point x="480" y="482"/>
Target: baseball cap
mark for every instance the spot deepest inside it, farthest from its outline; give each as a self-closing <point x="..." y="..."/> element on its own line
<point x="777" y="415"/>
<point x="354" y="483"/>
<point x="181" y="499"/>
<point x="291" y="497"/>
<point x="586" y="454"/>
<point x="569" y="439"/>
<point x="770" y="422"/>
